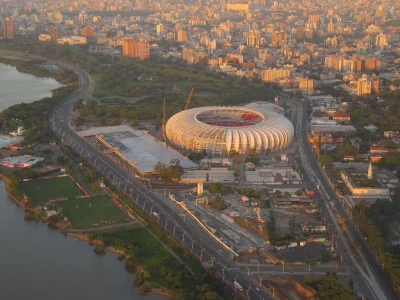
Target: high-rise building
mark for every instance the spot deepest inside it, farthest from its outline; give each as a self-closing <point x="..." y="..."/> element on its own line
<point x="2" y="28"/>
<point x="54" y="33"/>
<point x="372" y="63"/>
<point x="160" y="29"/>
<point x="83" y="16"/>
<point x="314" y="18"/>
<point x="364" y="86"/>
<point x="353" y="64"/>
<point x="380" y="41"/>
<point x="331" y="27"/>
<point x="181" y="35"/>
<point x="375" y="83"/>
<point x="9" y="28"/>
<point x="306" y="86"/>
<point x="274" y="74"/>
<point x="279" y="37"/>
<point x="251" y="40"/>
<point x="87" y="31"/>
<point x="136" y="48"/>
<point x="189" y="54"/>
<point x="238" y="6"/>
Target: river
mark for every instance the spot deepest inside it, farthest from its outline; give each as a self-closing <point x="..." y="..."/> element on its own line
<point x="37" y="262"/>
<point x="17" y="87"/>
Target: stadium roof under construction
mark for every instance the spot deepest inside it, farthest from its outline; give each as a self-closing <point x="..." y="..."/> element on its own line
<point x="139" y="147"/>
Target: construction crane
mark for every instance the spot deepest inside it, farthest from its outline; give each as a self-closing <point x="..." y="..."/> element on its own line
<point x="163" y="129"/>
<point x="164" y="113"/>
<point x="188" y="99"/>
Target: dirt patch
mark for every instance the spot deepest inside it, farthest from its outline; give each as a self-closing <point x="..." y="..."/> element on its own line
<point x="246" y="257"/>
<point x="289" y="288"/>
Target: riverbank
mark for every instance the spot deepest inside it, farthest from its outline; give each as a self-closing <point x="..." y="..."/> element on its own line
<point x="8" y="188"/>
<point x="35" y="66"/>
<point x="84" y="237"/>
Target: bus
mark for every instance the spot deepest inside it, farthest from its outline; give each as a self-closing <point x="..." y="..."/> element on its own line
<point x="238" y="286"/>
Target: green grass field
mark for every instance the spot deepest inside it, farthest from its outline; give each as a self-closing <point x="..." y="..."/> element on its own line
<point x="43" y="190"/>
<point x="84" y="213"/>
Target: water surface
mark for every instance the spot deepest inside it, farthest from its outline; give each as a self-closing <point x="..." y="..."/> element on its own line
<point x="17" y="87"/>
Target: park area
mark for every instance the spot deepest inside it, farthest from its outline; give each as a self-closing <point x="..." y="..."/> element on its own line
<point x="98" y="211"/>
<point x="151" y="252"/>
<point x="46" y="189"/>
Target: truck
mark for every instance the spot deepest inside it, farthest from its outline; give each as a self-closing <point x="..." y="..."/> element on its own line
<point x="342" y="222"/>
<point x="238" y="286"/>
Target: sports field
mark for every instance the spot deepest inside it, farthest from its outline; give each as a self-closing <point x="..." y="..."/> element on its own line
<point x="84" y="213"/>
<point x="43" y="190"/>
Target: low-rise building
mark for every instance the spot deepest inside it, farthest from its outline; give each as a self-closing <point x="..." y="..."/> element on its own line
<point x="24" y="161"/>
<point x="364" y="184"/>
<point x="341" y="116"/>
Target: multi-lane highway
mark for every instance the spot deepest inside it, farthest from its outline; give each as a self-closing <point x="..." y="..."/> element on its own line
<point x="374" y="284"/>
<point x="199" y="243"/>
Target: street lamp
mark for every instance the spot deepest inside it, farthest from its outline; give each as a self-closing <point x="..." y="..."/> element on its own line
<point x="248" y="290"/>
<point x="166" y="223"/>
<point x="234" y="281"/>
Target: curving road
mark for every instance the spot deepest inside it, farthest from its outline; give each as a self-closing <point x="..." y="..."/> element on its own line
<point x="198" y="242"/>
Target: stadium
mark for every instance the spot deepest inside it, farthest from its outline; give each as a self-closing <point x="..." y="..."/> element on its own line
<point x="220" y="130"/>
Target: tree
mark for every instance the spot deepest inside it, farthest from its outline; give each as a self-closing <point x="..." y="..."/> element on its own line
<point x="346" y="150"/>
<point x="219" y="203"/>
<point x="328" y="288"/>
<point x="145" y="288"/>
<point x="141" y="276"/>
<point x="159" y="168"/>
<point x="131" y="264"/>
<point x="299" y="192"/>
<point x="233" y="153"/>
<point x="257" y="194"/>
<point x="30" y="215"/>
<point x="254" y="159"/>
<point x="52" y="220"/>
<point x="134" y="122"/>
<point x="325" y="160"/>
<point x="99" y="248"/>
<point x="172" y="173"/>
<point x="211" y="295"/>
<point x="277" y="193"/>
